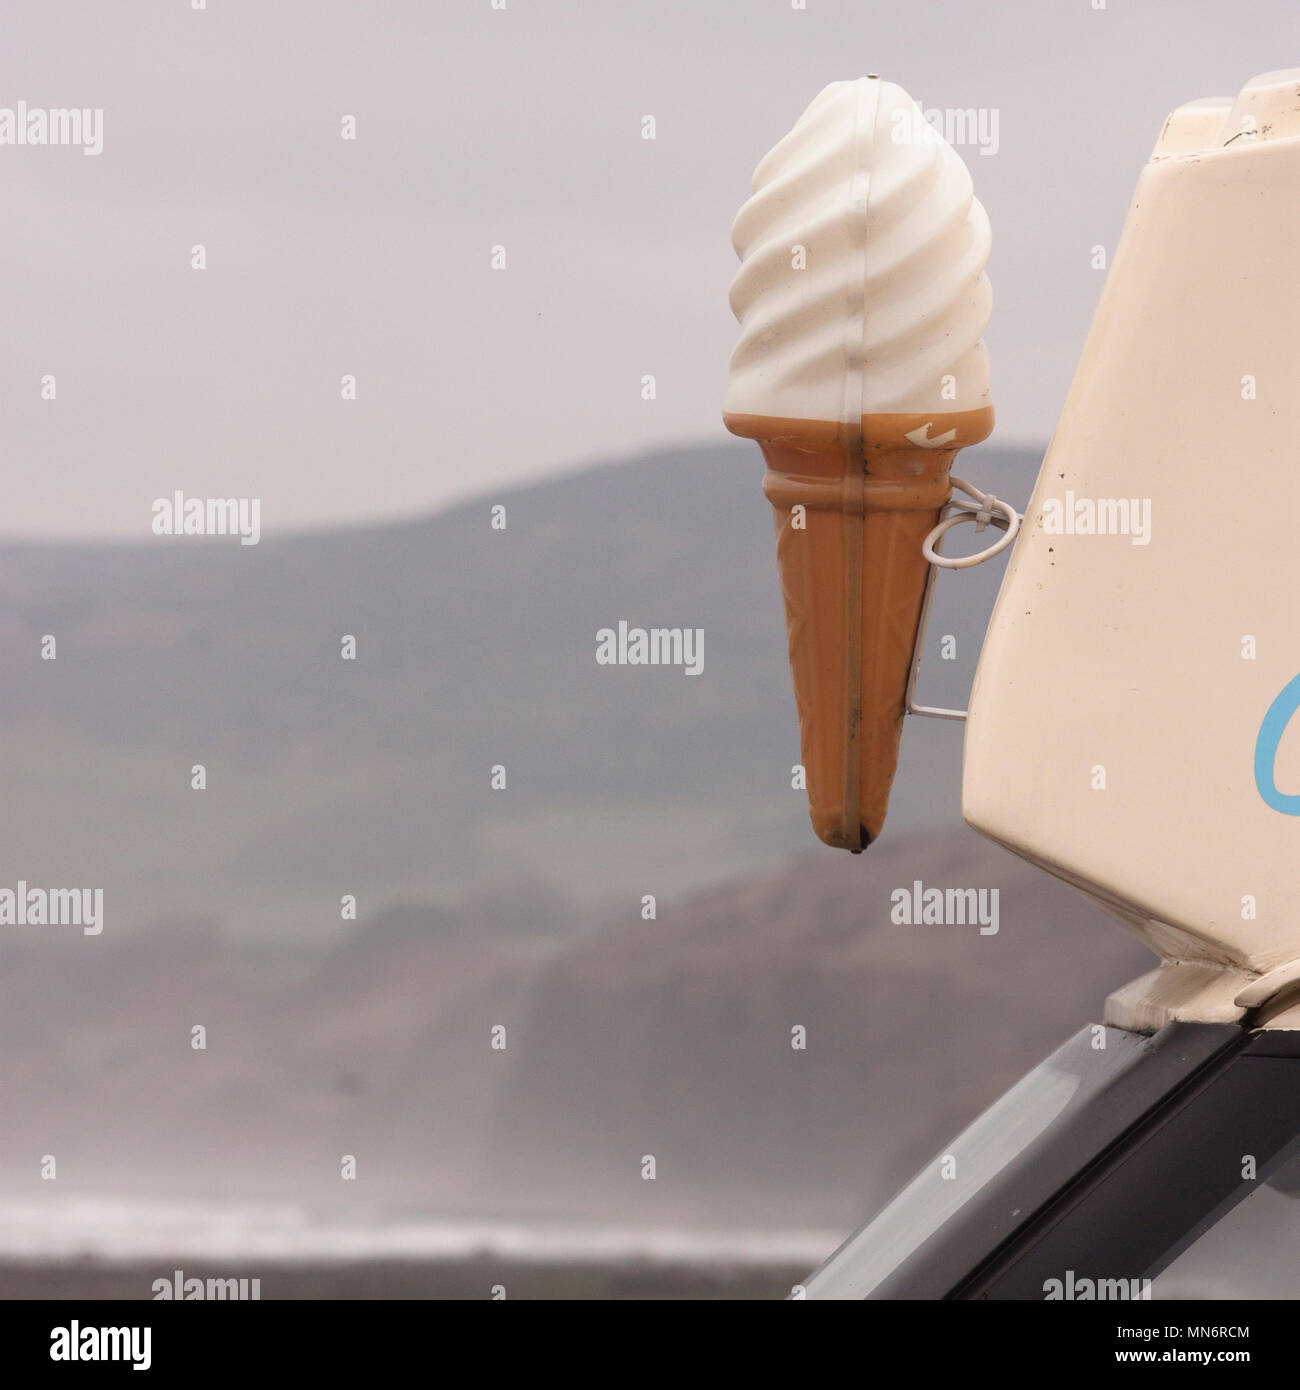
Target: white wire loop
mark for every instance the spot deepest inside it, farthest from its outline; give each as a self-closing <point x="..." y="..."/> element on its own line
<point x="984" y="510"/>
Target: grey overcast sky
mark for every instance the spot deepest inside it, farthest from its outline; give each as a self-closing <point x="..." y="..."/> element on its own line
<point x="520" y="127"/>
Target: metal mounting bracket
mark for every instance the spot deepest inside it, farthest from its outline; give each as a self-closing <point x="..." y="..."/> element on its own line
<point x="911" y="706"/>
<point x="984" y="511"/>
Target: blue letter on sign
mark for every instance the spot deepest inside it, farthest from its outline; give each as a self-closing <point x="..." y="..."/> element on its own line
<point x="1270" y="735"/>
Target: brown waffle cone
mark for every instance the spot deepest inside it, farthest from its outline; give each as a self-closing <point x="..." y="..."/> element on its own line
<point x="854" y="579"/>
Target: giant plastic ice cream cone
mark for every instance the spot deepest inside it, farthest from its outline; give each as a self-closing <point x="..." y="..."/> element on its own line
<point x="860" y="370"/>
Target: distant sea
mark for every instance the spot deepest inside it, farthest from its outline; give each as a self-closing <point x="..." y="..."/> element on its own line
<point x="117" y="1247"/>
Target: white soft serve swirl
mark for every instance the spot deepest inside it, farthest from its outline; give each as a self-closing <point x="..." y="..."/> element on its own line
<point x="888" y="314"/>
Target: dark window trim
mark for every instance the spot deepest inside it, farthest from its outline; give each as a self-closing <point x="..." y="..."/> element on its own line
<point x="1145" y="1158"/>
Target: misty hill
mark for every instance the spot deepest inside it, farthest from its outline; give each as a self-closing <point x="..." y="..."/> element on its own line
<point x="475" y="648"/>
<point x="674" y="1039"/>
<point x="669" y="1037"/>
